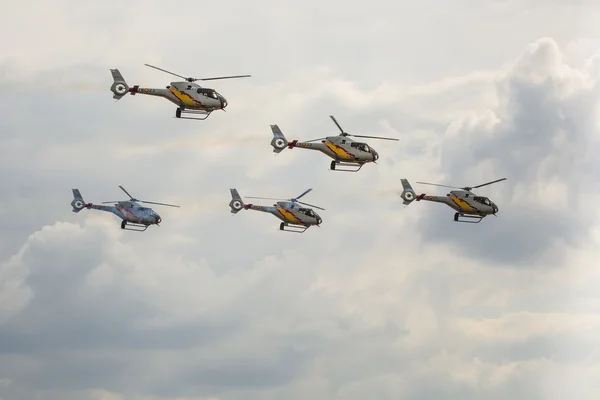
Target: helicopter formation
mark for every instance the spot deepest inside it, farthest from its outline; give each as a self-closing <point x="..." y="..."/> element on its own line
<point x="295" y="216"/>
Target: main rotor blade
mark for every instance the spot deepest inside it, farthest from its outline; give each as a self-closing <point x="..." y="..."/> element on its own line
<point x="338" y="125"/>
<point x="164" y="70"/>
<point x="375" y="137"/>
<point x="306" y="191"/>
<point x="223" y="77"/>
<point x="311" y="205"/>
<point x="489" y="183"/>
<point x="262" y="198"/>
<point x="123" y="189"/>
<point x="160" y="204"/>
<point x="435" y="184"/>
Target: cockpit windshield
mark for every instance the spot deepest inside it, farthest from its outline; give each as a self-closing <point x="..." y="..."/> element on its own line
<point x="360" y="146"/>
<point x="307" y="211"/>
<point x="483" y="200"/>
<point x="208" y="92"/>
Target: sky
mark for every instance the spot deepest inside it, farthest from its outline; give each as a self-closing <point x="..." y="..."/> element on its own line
<point x="381" y="301"/>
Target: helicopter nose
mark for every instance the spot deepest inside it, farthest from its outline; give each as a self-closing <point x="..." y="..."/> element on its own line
<point x="375" y="155"/>
<point x="223" y="102"/>
<point x="157" y="218"/>
<point x="495" y="208"/>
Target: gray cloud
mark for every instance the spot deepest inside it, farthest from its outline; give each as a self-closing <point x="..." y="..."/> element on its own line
<point x="544" y="132"/>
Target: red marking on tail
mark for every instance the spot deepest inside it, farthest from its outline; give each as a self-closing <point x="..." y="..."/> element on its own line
<point x="247" y="206"/>
<point x="292" y="144"/>
<point x="133" y="90"/>
<point x="420" y="197"/>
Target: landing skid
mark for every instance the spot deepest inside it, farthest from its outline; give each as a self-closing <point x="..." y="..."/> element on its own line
<point x="133" y="227"/>
<point x="180" y="111"/>
<point x="466" y="218"/>
<point x="352" y="167"/>
<point x="292" y="227"/>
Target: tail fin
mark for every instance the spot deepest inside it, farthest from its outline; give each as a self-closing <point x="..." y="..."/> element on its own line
<point x="77" y="202"/>
<point x="119" y="86"/>
<point x="279" y="141"/>
<point x="408" y="194"/>
<point x="236" y="202"/>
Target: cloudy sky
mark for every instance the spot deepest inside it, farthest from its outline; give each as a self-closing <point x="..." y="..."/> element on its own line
<point x="382" y="301"/>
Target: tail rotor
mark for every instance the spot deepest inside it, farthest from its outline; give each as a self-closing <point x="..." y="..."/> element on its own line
<point x="78" y="204"/>
<point x="408" y="194"/>
<point x="119" y="86"/>
<point x="279" y="142"/>
<point x="236" y="204"/>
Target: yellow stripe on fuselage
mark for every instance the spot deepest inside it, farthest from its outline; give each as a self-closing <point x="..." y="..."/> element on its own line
<point x="461" y="203"/>
<point x="338" y="150"/>
<point x="184" y="97"/>
<point x="288" y="215"/>
<point x="125" y="212"/>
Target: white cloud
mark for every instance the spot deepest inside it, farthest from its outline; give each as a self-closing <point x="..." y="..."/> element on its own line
<point x="382" y="301"/>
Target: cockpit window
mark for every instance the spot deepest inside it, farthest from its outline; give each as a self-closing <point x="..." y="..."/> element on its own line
<point x="482" y="200"/>
<point x="207" y="92"/>
<point x="307" y="211"/>
<point x="360" y="146"/>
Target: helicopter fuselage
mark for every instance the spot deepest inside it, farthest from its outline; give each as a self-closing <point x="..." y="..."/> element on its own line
<point x="464" y="202"/>
<point x="469" y="207"/>
<point x="134" y="216"/>
<point x="340" y="148"/>
<point x="130" y="212"/>
<point x="186" y="95"/>
<point x="294" y="217"/>
<point x="190" y="98"/>
<point x="289" y="212"/>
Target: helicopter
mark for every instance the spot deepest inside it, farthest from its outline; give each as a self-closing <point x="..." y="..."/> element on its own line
<point x="467" y="204"/>
<point x="189" y="97"/>
<point x="295" y="218"/>
<point x="345" y="152"/>
<point x="135" y="217"/>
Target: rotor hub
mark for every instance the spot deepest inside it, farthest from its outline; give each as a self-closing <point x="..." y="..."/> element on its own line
<point x="280" y="143"/>
<point x="121" y="88"/>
